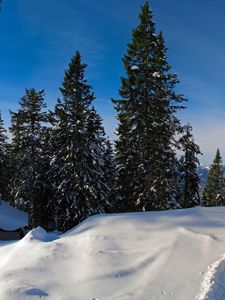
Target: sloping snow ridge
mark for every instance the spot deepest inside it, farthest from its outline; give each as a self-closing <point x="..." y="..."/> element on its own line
<point x="213" y="286"/>
<point x="11" y="218"/>
<point x="135" y="256"/>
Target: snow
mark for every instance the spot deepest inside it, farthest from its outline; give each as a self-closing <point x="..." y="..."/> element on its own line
<point x="156" y="75"/>
<point x="134" y="68"/>
<point x="213" y="285"/>
<point x="11" y="218"/>
<point x="56" y="127"/>
<point x="168" y="255"/>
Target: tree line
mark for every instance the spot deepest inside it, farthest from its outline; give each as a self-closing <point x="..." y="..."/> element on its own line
<point x="214" y="191"/>
<point x="61" y="168"/>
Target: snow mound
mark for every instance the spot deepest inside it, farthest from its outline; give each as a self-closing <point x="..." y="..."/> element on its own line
<point x="11" y="218"/>
<point x="133" y="256"/>
<point x="39" y="234"/>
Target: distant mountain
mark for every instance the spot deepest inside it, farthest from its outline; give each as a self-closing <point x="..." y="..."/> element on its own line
<point x="203" y="174"/>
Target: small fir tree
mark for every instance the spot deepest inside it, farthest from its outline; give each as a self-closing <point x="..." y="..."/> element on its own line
<point x="189" y="163"/>
<point x="214" y="192"/>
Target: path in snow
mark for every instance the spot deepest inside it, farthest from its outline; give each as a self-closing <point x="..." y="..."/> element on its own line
<point x="213" y="287"/>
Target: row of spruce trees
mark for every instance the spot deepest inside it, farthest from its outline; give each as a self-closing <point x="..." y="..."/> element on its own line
<point x="61" y="167"/>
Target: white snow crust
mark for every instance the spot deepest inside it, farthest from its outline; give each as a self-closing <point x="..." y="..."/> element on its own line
<point x="156" y="75"/>
<point x="170" y="255"/>
<point x="213" y="286"/>
<point x="134" y="68"/>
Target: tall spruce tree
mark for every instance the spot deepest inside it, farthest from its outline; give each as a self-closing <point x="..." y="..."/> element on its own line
<point x="145" y="150"/>
<point x="214" y="192"/>
<point x="29" y="182"/>
<point x="189" y="162"/>
<point x="78" y="164"/>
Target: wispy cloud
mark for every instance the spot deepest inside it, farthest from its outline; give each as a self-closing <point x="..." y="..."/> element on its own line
<point x="61" y="28"/>
<point x="209" y="133"/>
<point x="206" y="113"/>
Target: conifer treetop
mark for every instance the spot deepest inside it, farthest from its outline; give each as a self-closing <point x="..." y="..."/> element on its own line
<point x="214" y="192"/>
<point x="74" y="85"/>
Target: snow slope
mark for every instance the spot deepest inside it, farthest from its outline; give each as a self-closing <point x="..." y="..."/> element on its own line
<point x="10" y="217"/>
<point x="172" y="255"/>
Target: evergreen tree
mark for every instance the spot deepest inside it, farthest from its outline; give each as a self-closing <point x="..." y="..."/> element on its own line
<point x="188" y="167"/>
<point x="4" y="162"/>
<point x="214" y="192"/>
<point x="109" y="169"/>
<point x="16" y="154"/>
<point x="43" y="183"/>
<point x="145" y="150"/>
<point x="29" y="186"/>
<point x="78" y="165"/>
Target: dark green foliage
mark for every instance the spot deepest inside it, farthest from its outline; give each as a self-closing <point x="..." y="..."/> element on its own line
<point x="16" y="155"/>
<point x="145" y="150"/>
<point x="110" y="176"/>
<point x="4" y="162"/>
<point x="188" y="169"/>
<point x="29" y="184"/>
<point x="79" y="163"/>
<point x="214" y="192"/>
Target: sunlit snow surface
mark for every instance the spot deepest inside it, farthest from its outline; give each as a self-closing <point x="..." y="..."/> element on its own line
<point x="172" y="255"/>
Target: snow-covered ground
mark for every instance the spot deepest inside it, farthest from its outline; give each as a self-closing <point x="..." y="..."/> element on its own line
<point x="11" y="218"/>
<point x="172" y="255"/>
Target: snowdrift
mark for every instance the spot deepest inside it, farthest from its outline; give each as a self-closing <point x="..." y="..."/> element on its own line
<point x="170" y="255"/>
<point x="11" y="218"/>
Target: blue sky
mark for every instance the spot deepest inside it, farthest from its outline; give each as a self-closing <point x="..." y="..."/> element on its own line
<point x="39" y="37"/>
